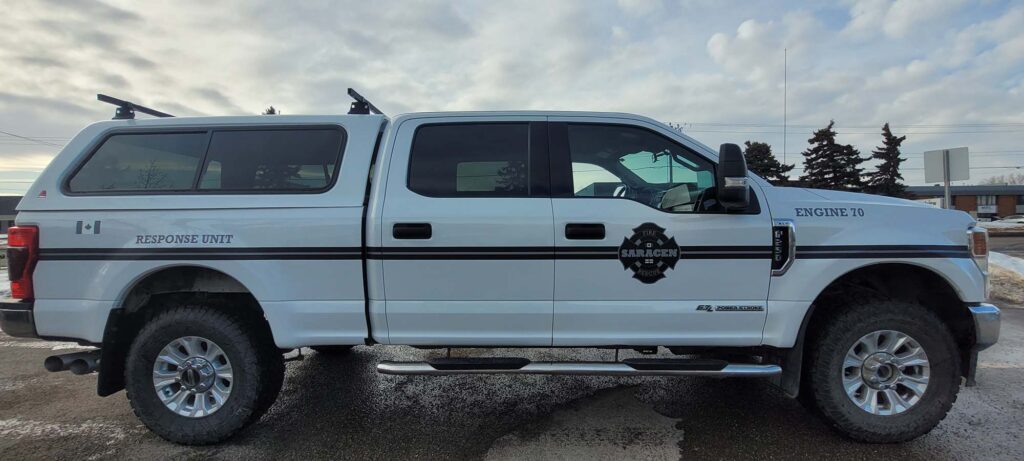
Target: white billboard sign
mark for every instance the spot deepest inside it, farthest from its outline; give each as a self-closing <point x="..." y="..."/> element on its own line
<point x="934" y="163"/>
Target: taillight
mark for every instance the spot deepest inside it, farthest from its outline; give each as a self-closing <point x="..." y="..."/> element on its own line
<point x="22" y="254"/>
<point x="978" y="242"/>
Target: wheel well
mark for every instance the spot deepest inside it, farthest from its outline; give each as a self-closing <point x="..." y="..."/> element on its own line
<point x="899" y="281"/>
<point x="160" y="290"/>
<point x="904" y="282"/>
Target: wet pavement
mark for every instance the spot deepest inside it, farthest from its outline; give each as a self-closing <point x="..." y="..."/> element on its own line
<point x="1013" y="246"/>
<point x="339" y="407"/>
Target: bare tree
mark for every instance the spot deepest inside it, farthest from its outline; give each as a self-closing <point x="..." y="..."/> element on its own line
<point x="1012" y="178"/>
<point x="151" y="177"/>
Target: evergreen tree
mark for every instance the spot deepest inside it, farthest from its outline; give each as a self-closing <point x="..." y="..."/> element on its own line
<point x="271" y="111"/>
<point x="828" y="165"/>
<point x="761" y="161"/>
<point x="885" y="180"/>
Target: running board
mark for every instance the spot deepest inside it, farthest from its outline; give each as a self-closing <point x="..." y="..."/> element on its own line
<point x="628" y="367"/>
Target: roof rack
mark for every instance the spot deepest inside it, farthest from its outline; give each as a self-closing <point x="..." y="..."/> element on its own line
<point x="126" y="109"/>
<point x="361" y="106"/>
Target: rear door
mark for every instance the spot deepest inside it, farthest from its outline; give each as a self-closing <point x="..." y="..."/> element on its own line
<point x="643" y="255"/>
<point x="467" y="233"/>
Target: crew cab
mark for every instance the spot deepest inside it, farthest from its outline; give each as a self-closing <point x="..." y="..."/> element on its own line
<point x="193" y="252"/>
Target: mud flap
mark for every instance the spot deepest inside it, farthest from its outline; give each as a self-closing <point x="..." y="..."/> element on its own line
<point x="113" y="354"/>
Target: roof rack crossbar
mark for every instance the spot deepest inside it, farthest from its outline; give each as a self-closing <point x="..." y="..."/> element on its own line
<point x="361" y="104"/>
<point x="126" y="109"/>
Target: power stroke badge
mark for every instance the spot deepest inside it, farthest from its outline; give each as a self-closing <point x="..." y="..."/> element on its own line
<point x="649" y="253"/>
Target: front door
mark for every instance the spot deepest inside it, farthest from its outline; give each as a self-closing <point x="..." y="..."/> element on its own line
<point x="644" y="254"/>
<point x="467" y="233"/>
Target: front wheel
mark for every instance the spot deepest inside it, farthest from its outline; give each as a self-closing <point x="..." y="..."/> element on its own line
<point x="884" y="372"/>
<point x="197" y="375"/>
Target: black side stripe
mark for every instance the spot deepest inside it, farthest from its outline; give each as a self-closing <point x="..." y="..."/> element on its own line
<point x="490" y="253"/>
<point x="884" y="247"/>
<point x="43" y="251"/>
<point x="199" y="257"/>
<point x="587" y="252"/>
<point x="881" y="251"/>
<point x="206" y="254"/>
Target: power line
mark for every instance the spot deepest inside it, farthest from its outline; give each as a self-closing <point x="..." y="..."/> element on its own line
<point x="1008" y="167"/>
<point x="840" y="131"/>
<point x="39" y="141"/>
<point x="879" y="126"/>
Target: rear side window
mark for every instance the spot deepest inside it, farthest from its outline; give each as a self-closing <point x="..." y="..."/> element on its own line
<point x="471" y="160"/>
<point x="280" y="160"/>
<point x="142" y="162"/>
<point x="227" y="160"/>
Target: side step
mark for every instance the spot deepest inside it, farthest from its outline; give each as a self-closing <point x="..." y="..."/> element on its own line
<point x="628" y="367"/>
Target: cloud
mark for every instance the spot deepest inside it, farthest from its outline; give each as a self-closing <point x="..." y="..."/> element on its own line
<point x="910" y="62"/>
<point x="641" y="7"/>
<point x="899" y="18"/>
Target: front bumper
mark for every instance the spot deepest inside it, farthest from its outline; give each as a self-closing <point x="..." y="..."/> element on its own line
<point x="986" y="325"/>
<point x="16" y="318"/>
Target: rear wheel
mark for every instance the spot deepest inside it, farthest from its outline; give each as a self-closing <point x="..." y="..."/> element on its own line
<point x="884" y="371"/>
<point x="197" y="376"/>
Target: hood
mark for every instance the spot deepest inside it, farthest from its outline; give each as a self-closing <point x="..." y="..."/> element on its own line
<point x="866" y="199"/>
<point x="825" y="217"/>
<point x="851" y="209"/>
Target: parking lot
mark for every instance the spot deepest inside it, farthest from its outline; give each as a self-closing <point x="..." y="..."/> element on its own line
<point x="341" y="408"/>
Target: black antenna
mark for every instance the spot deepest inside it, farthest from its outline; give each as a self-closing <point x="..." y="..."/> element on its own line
<point x="361" y="106"/>
<point x="126" y="109"/>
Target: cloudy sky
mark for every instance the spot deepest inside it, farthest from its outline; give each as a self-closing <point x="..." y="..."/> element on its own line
<point x="944" y="72"/>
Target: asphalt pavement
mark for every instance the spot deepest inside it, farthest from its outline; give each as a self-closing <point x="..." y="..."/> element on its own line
<point x="1013" y="246"/>
<point x="340" y="408"/>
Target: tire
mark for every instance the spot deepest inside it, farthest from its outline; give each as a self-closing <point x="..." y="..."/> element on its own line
<point x="900" y="419"/>
<point x="254" y="366"/>
<point x="332" y="350"/>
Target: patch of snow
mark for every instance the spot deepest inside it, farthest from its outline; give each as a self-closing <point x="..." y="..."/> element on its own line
<point x="48" y="345"/>
<point x="1001" y="225"/>
<point x="1007" y="262"/>
<point x="5" y="285"/>
<point x="19" y="428"/>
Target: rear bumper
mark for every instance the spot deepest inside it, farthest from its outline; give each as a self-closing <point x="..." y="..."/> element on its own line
<point x="986" y="325"/>
<point x="16" y="318"/>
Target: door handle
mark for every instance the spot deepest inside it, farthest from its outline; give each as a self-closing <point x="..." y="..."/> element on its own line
<point x="419" y="230"/>
<point x="581" y="231"/>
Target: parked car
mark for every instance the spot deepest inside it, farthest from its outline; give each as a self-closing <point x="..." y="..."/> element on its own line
<point x="191" y="252"/>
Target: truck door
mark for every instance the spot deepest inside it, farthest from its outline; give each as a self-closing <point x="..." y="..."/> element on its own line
<point x="643" y="256"/>
<point x="468" y="233"/>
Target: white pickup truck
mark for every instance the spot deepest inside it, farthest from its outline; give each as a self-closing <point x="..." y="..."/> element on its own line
<point x="194" y="252"/>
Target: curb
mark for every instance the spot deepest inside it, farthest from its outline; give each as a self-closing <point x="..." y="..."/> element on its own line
<point x="1006" y="234"/>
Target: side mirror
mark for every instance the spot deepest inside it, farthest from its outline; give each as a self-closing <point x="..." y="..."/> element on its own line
<point x="733" y="191"/>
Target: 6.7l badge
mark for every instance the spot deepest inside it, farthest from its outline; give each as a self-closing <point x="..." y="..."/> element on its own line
<point x="649" y="253"/>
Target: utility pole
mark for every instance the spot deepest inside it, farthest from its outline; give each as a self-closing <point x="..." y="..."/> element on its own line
<point x="785" y="94"/>
<point x="945" y="179"/>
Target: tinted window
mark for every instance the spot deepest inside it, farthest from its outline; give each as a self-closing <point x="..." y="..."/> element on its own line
<point x="470" y="160"/>
<point x="636" y="164"/>
<point x="140" y="162"/>
<point x="286" y="160"/>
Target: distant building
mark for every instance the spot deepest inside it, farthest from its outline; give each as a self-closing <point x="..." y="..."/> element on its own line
<point x="979" y="201"/>
<point x="7" y="205"/>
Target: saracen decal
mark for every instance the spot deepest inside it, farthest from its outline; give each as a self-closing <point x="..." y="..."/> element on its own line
<point x="649" y="253"/>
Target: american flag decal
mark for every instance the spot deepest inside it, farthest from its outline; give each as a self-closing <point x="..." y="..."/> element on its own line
<point x="84" y="227"/>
